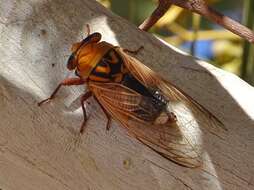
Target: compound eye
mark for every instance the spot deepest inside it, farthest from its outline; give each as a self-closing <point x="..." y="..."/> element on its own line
<point x="77" y="73"/>
<point x="71" y="62"/>
<point x="93" y="38"/>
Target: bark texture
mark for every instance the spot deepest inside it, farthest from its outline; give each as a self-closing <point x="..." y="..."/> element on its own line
<point x="40" y="148"/>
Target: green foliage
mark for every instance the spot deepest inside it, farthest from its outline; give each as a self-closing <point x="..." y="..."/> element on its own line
<point x="134" y="10"/>
<point x="247" y="69"/>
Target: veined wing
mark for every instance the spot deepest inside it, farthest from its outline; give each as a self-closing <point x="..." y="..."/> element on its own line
<point x="179" y="101"/>
<point x="174" y="141"/>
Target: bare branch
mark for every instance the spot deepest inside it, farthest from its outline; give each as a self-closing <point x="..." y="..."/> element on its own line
<point x="200" y="7"/>
<point x="161" y="9"/>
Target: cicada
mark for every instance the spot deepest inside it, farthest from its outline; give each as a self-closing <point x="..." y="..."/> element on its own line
<point x="151" y="109"/>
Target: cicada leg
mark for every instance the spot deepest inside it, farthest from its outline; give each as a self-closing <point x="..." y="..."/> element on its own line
<point x="66" y="82"/>
<point x="83" y="99"/>
<point x="133" y="51"/>
<point x="106" y="113"/>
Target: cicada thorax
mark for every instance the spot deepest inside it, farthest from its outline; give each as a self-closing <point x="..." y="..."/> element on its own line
<point x="153" y="104"/>
<point x="110" y="68"/>
<point x="90" y="56"/>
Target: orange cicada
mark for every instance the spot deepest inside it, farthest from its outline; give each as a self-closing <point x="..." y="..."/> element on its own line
<point x="150" y="108"/>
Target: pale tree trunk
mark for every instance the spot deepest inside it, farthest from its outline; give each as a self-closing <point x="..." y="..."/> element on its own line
<point x="41" y="149"/>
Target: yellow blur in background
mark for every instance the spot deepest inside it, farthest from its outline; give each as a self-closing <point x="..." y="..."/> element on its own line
<point x="196" y="35"/>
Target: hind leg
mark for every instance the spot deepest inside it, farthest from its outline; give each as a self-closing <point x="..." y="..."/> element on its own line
<point x="107" y="115"/>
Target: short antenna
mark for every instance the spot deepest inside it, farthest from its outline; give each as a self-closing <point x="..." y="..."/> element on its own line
<point x="87" y="29"/>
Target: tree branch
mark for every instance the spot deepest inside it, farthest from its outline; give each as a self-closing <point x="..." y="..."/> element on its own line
<point x="161" y="9"/>
<point x="200" y="7"/>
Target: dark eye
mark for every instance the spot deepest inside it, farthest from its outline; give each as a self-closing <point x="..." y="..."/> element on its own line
<point x="77" y="73"/>
<point x="71" y="58"/>
<point x="71" y="62"/>
<point x="95" y="37"/>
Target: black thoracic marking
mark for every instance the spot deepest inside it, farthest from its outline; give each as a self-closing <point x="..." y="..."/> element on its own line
<point x="115" y="68"/>
<point x="132" y="83"/>
<point x="153" y="102"/>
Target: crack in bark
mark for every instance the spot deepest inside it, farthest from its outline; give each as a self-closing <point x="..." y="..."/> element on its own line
<point x="175" y="177"/>
<point x="234" y="174"/>
<point x="29" y="162"/>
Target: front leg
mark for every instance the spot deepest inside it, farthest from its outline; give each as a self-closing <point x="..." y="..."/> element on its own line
<point x="83" y="99"/>
<point x="65" y="82"/>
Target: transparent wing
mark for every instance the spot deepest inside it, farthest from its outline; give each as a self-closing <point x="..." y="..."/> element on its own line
<point x="176" y="141"/>
<point x="181" y="104"/>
